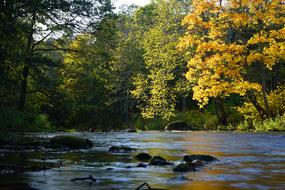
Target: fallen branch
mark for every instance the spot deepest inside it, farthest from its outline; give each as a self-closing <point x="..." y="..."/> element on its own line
<point x="90" y="177"/>
<point x="142" y="185"/>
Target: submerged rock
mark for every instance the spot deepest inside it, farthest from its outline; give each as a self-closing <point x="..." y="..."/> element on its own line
<point x="159" y="161"/>
<point x="141" y="165"/>
<point x="71" y="142"/>
<point x="180" y="178"/>
<point x="20" y="186"/>
<point x="143" y="156"/>
<point x="18" y="142"/>
<point x="178" y="125"/>
<point x="121" y="149"/>
<point x="185" y="167"/>
<point x="199" y="157"/>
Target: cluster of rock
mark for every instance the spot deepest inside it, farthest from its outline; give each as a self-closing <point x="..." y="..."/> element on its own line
<point x="37" y="143"/>
<point x="189" y="163"/>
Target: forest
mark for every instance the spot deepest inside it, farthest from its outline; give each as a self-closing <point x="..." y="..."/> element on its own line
<point x="82" y="65"/>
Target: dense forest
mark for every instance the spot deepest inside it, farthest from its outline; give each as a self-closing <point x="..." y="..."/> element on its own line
<point x="81" y="64"/>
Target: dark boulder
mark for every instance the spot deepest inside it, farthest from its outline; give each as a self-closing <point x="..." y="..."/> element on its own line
<point x="198" y="163"/>
<point x="185" y="167"/>
<point x="159" y="161"/>
<point x="70" y="142"/>
<point x="178" y="125"/>
<point x="143" y="157"/>
<point x="200" y="157"/>
<point x="120" y="149"/>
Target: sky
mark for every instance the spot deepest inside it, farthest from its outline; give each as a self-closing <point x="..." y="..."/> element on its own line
<point x="118" y="3"/>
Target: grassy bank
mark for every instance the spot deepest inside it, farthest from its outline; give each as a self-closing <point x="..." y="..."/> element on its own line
<point x="208" y="121"/>
<point x="13" y="120"/>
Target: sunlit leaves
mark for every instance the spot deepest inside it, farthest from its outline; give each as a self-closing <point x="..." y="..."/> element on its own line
<point x="224" y="38"/>
<point x="157" y="88"/>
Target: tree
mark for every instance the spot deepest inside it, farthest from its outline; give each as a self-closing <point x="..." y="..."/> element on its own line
<point x="157" y="88"/>
<point x="126" y="62"/>
<point x="233" y="44"/>
<point x="86" y="73"/>
<point x="41" y="20"/>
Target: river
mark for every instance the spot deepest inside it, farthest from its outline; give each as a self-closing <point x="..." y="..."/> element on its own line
<point x="245" y="161"/>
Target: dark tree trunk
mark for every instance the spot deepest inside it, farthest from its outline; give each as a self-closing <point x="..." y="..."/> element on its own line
<point x="25" y="74"/>
<point x="267" y="110"/>
<point x="184" y="103"/>
<point x="259" y="109"/>
<point x="23" y="92"/>
<point x="220" y="112"/>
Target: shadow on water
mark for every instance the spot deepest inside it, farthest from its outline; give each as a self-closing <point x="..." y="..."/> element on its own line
<point x="246" y="161"/>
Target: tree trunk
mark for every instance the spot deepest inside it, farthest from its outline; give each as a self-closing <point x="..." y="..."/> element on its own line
<point x="267" y="110"/>
<point x="25" y="75"/>
<point x="184" y="103"/>
<point x="220" y="112"/>
<point x="23" y="92"/>
<point x="258" y="108"/>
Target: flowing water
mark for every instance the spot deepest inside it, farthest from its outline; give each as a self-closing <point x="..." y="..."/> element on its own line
<point x="246" y="161"/>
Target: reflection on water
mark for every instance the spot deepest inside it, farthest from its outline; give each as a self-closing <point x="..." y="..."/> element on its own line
<point x="246" y="161"/>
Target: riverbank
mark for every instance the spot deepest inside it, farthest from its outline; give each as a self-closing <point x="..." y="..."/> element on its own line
<point x="15" y="121"/>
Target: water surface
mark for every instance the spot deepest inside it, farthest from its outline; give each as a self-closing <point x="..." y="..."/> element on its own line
<point x="246" y="161"/>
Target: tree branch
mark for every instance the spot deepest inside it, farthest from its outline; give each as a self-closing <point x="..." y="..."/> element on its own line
<point x="38" y="42"/>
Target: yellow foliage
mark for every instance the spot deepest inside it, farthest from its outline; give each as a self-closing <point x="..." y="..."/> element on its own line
<point x="219" y="62"/>
<point x="276" y="103"/>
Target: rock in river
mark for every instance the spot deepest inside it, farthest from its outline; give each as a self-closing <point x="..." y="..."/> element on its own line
<point x="141" y="165"/>
<point x="178" y="125"/>
<point x="121" y="149"/>
<point x="71" y="142"/>
<point x="159" y="161"/>
<point x="185" y="167"/>
<point x="201" y="157"/>
<point x="143" y="157"/>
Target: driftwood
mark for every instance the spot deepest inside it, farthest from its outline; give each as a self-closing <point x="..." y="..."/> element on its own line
<point x="142" y="185"/>
<point x="147" y="186"/>
<point x="90" y="177"/>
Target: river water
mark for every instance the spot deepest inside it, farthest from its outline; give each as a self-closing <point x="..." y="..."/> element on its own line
<point x="245" y="161"/>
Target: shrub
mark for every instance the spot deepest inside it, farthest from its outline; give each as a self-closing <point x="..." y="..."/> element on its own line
<point x="195" y="119"/>
<point x="272" y="124"/>
<point x="276" y="103"/>
<point x="14" y="120"/>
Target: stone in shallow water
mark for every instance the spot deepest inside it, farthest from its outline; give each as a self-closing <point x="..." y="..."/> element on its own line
<point x="143" y="156"/>
<point x="159" y="161"/>
<point x="201" y="157"/>
<point x="71" y="142"/>
<point x="180" y="178"/>
<point x="141" y="165"/>
<point x="185" y="167"/>
<point x="121" y="149"/>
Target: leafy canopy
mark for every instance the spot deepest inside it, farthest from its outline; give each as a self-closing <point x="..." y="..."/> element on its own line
<point x="225" y="38"/>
